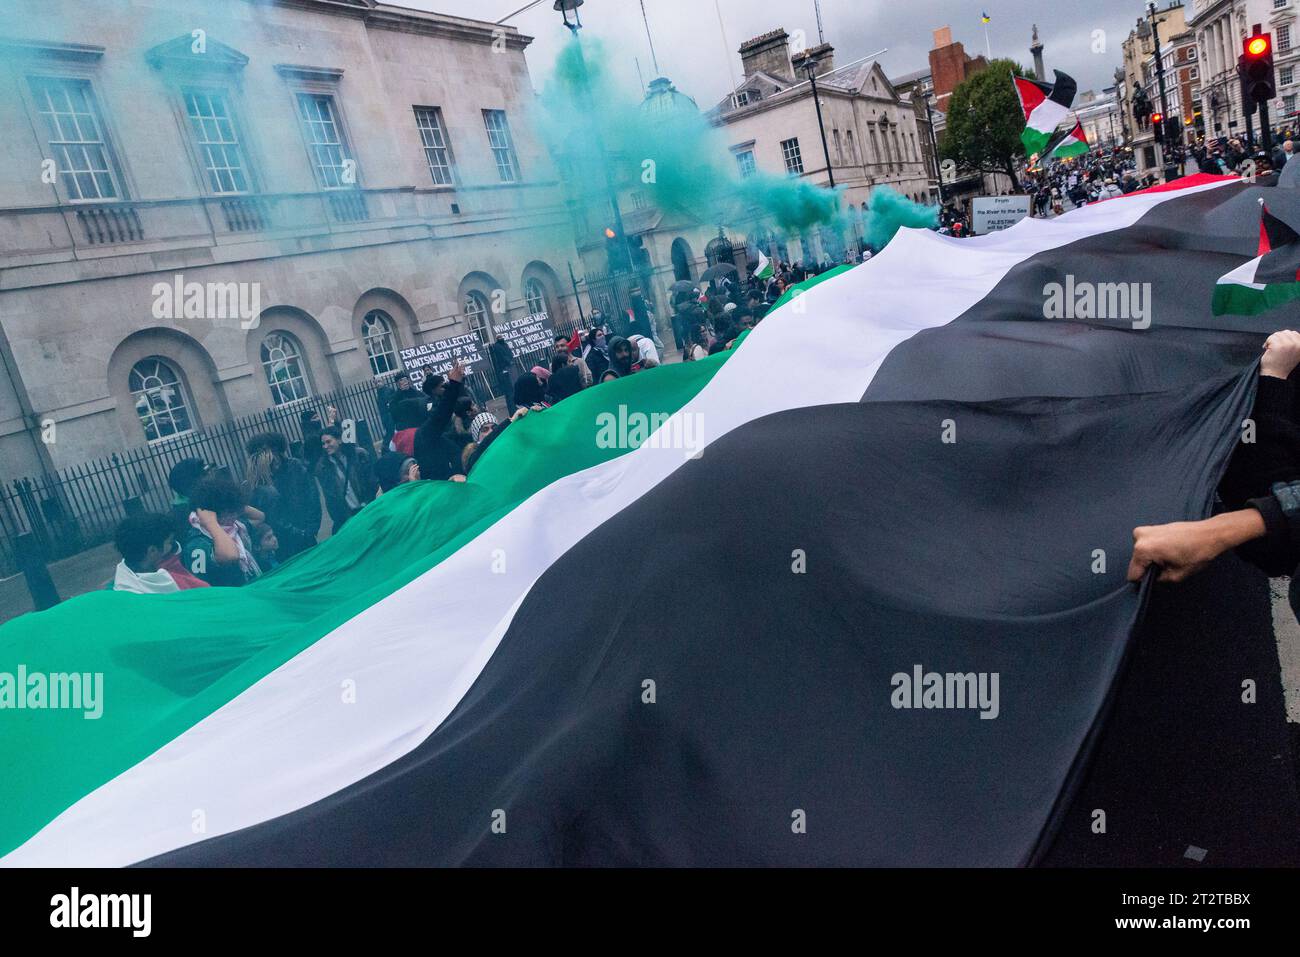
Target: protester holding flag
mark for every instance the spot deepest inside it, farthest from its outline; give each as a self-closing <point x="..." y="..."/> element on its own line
<point x="438" y="456"/>
<point x="218" y="549"/>
<point x="145" y="542"/>
<point x="1264" y="527"/>
<point x="621" y="359"/>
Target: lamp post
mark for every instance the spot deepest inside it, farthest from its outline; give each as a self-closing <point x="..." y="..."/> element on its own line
<point x="810" y="67"/>
<point x="934" y="146"/>
<point x="564" y="8"/>
<point x="1151" y="29"/>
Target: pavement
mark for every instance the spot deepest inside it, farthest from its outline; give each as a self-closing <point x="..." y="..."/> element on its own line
<point x="83" y="572"/>
<point x="1195" y="763"/>
<point x="1287" y="632"/>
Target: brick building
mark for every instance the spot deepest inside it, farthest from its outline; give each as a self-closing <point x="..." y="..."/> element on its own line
<point x="950" y="64"/>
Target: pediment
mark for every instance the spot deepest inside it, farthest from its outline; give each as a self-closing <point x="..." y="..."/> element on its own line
<point x="196" y="52"/>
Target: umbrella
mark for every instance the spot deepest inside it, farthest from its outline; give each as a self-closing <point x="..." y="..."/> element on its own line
<point x="681" y="285"/>
<point x="717" y="272"/>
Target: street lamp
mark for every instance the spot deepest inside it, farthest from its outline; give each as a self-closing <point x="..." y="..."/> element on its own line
<point x="564" y="6"/>
<point x="1149" y="29"/>
<point x="934" y="146"/>
<point x="810" y="67"/>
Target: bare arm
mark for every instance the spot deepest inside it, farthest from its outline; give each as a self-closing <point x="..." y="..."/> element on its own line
<point x="1181" y="549"/>
<point x="224" y="549"/>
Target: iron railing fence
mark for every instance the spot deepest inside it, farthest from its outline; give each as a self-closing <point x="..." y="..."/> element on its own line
<point x="72" y="509"/>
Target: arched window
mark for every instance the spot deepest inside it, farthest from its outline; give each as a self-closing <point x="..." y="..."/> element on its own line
<point x="160" y="399"/>
<point x="377" y="332"/>
<point x="476" y="311"/>
<point x="285" y="370"/>
<point x="535" y="297"/>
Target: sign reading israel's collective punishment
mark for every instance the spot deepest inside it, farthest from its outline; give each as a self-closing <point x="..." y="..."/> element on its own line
<point x="441" y="354"/>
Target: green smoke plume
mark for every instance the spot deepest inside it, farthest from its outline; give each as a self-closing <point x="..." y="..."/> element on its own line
<point x="891" y="210"/>
<point x="675" y="156"/>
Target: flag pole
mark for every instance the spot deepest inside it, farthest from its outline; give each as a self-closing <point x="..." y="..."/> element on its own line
<point x="987" y="49"/>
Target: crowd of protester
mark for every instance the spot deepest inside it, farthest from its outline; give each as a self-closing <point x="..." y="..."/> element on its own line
<point x="228" y="530"/>
<point x="1056" y="185"/>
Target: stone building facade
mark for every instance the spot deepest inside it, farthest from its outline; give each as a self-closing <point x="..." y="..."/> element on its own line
<point x="1140" y="80"/>
<point x="360" y="178"/>
<point x="872" y="134"/>
<point x="1220" y="27"/>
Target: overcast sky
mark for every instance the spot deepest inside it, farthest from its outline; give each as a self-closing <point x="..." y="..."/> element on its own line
<point x="692" y="51"/>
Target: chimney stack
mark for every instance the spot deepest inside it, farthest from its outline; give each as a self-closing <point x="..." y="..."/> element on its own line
<point x="770" y="53"/>
<point x="823" y="53"/>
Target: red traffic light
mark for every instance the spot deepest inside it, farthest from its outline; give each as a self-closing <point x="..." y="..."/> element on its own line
<point x="1258" y="45"/>
<point x="609" y="233"/>
<point x="1157" y="117"/>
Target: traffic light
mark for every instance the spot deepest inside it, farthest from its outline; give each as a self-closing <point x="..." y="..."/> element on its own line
<point x="1247" y="104"/>
<point x="1158" y="126"/>
<point x="1173" y="131"/>
<point x="1258" y="81"/>
<point x="616" y="252"/>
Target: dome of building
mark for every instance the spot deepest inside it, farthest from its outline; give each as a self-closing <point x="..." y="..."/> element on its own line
<point x="663" y="99"/>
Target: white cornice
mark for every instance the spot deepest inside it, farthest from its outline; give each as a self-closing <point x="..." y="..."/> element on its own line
<point x="51" y="50"/>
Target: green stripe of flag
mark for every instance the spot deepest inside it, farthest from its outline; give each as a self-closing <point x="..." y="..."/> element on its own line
<point x="169" y="661"/>
<point x="1070" y="147"/>
<point x="1035" y="140"/>
<point x="1231" y="298"/>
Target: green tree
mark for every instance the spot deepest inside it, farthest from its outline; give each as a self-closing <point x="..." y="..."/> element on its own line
<point x="984" y="121"/>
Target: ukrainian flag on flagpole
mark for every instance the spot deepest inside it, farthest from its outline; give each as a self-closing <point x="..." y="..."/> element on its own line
<point x="984" y="17"/>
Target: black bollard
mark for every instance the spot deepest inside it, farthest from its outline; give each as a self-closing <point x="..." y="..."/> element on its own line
<point x="30" y="553"/>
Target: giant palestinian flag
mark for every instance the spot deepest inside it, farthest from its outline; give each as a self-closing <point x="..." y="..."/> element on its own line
<point x="867" y="624"/>
<point x="1045" y="107"/>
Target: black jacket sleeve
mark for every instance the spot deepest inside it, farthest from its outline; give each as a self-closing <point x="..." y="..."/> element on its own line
<point x="1274" y="455"/>
<point x="1260" y="474"/>
<point x="442" y="412"/>
<point x="430" y="447"/>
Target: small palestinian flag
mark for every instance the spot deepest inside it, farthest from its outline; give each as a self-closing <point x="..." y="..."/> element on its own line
<point x="764" y="270"/>
<point x="1270" y="279"/>
<point x="1067" y="143"/>
<point x="1046" y="107"/>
